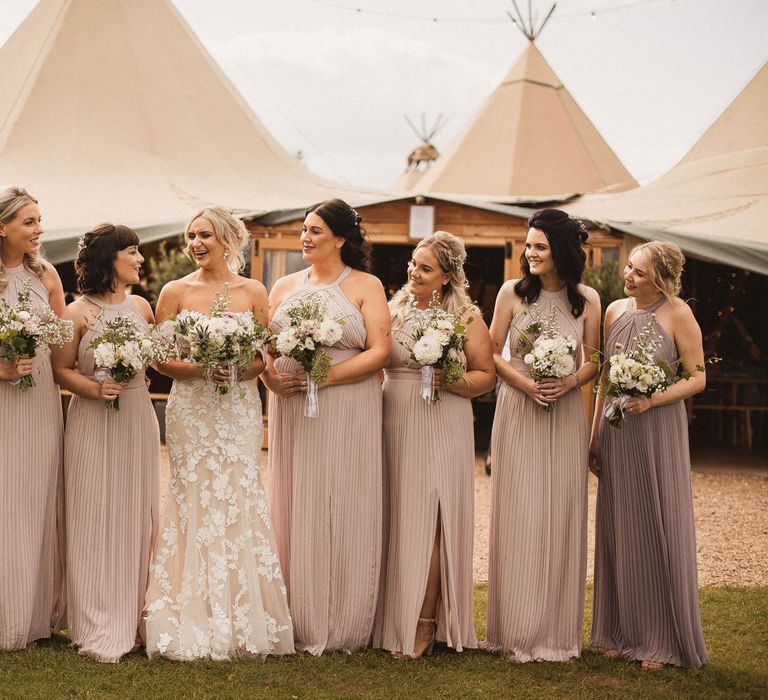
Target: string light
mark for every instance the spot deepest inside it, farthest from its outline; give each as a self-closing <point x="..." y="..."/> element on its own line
<point x="466" y="19"/>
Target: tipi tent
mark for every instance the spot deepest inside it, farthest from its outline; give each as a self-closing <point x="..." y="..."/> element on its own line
<point x="114" y="111"/>
<point x="530" y="138"/>
<point x="714" y="202"/>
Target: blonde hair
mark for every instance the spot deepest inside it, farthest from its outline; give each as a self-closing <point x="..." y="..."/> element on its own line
<point x="666" y="265"/>
<point x="229" y="230"/>
<point x="11" y="200"/>
<point x="450" y="253"/>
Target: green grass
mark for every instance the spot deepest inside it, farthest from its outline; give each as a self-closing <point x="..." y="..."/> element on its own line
<point x="735" y="627"/>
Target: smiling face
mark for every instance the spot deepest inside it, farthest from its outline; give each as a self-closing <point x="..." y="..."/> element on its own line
<point x="538" y="253"/>
<point x="425" y="274"/>
<point x="318" y="242"/>
<point x="637" y="281"/>
<point x="203" y="246"/>
<point x="128" y="265"/>
<point x="22" y="234"/>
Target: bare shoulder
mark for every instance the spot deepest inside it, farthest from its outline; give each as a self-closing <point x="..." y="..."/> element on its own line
<point x="507" y="289"/>
<point x="473" y="319"/>
<point x="175" y="288"/>
<point x="615" y="309"/>
<point x="365" y="281"/>
<point x="142" y="306"/>
<point x="680" y="311"/>
<point x="590" y="293"/>
<point x="253" y="285"/>
<point x="287" y="283"/>
<point x="50" y="278"/>
<point x="79" y="311"/>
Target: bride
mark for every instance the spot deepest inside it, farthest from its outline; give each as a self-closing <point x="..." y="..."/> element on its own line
<point x="216" y="589"/>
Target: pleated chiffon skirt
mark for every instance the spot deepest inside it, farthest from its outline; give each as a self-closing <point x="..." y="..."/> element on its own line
<point x="111" y="485"/>
<point x="31" y="509"/>
<point x="538" y="546"/>
<point x="646" y="602"/>
<point x="429" y="463"/>
<point x="325" y="496"/>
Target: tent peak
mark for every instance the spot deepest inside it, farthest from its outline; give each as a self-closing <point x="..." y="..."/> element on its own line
<point x="529" y="28"/>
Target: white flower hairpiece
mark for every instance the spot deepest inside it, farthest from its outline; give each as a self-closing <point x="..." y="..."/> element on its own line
<point x="81" y="243"/>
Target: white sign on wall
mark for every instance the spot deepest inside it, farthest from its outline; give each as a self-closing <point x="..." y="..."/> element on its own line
<point x="421" y="222"/>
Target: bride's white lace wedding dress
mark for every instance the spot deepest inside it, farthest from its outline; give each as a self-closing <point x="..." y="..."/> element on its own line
<point x="216" y="589"/>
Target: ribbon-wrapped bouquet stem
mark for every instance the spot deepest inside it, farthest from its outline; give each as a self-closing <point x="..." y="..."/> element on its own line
<point x="437" y="342"/>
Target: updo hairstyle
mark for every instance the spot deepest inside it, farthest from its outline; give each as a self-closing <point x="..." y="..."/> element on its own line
<point x="665" y="269"/>
<point x="229" y="231"/>
<point x="344" y="222"/>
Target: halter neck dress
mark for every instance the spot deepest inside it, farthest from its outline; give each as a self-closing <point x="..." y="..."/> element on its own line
<point x="646" y="600"/>
<point x="429" y="461"/>
<point x="538" y="546"/>
<point x="31" y="490"/>
<point x="111" y="466"/>
<point x="325" y="490"/>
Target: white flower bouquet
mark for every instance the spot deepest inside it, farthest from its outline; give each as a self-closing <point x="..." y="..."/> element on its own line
<point x="121" y="351"/>
<point x="309" y="330"/>
<point x="222" y="339"/>
<point x="437" y="342"/>
<point x="635" y="373"/>
<point x="24" y="329"/>
<point x="551" y="353"/>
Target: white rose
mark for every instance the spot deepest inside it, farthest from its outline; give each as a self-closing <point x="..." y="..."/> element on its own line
<point x="286" y="341"/>
<point x="104" y="355"/>
<point x="329" y="333"/>
<point x="427" y="350"/>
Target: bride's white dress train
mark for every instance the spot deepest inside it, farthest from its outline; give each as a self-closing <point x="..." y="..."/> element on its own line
<point x="216" y="589"/>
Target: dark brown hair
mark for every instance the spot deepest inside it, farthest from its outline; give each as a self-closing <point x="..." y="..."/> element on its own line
<point x="96" y="253"/>
<point x="565" y="235"/>
<point x="344" y="222"/>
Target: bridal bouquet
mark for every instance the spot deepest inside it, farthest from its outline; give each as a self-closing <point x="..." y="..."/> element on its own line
<point x="121" y="351"/>
<point x="635" y="373"/>
<point x="438" y="339"/>
<point x="308" y="331"/>
<point x="23" y="329"/>
<point x="551" y="353"/>
<point x="222" y="339"/>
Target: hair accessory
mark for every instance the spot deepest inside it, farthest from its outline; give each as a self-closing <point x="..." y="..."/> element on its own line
<point x="456" y="262"/>
<point x="357" y="216"/>
<point x="580" y="223"/>
<point x="81" y="245"/>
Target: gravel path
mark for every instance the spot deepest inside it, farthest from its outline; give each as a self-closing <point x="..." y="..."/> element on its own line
<point x="731" y="508"/>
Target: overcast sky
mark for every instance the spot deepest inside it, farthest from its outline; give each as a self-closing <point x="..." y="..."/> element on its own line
<point x="335" y="83"/>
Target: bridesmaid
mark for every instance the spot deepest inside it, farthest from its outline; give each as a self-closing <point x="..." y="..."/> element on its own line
<point x="31" y="434"/>
<point x="429" y="458"/>
<point x="325" y="473"/>
<point x="537" y="560"/>
<point x="646" y="603"/>
<point x="111" y="458"/>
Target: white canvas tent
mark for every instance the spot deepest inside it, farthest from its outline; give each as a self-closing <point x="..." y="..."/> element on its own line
<point x="114" y="111"/>
<point x="529" y="139"/>
<point x="714" y="202"/>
